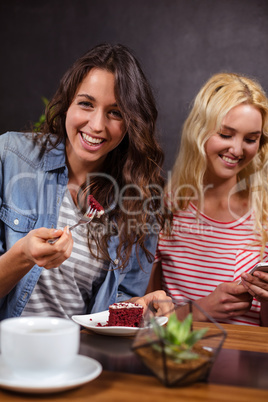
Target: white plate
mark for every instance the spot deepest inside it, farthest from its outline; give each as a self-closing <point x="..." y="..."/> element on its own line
<point x="84" y="369"/>
<point x="91" y="322"/>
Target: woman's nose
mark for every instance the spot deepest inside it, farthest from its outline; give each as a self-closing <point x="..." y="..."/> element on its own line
<point x="97" y="121"/>
<point x="236" y="147"/>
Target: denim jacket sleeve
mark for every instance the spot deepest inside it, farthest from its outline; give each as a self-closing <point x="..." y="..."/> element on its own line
<point x="120" y="285"/>
<point x="31" y="188"/>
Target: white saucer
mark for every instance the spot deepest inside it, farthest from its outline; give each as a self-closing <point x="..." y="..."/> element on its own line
<point x="83" y="369"/>
<point x="95" y="321"/>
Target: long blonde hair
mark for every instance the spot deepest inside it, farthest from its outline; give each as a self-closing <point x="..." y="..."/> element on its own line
<point x="217" y="97"/>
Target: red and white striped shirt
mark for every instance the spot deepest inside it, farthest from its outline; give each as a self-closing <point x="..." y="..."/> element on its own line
<point x="202" y="253"/>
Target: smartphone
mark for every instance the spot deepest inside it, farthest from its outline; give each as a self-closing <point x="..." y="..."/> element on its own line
<point x="261" y="266"/>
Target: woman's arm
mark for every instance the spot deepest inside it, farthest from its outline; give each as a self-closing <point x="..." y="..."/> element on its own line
<point x="228" y="300"/>
<point x="30" y="250"/>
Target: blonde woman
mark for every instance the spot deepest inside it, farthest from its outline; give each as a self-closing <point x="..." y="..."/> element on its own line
<point x="218" y="196"/>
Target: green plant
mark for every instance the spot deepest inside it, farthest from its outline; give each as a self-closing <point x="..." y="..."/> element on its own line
<point x="38" y="124"/>
<point x="178" y="338"/>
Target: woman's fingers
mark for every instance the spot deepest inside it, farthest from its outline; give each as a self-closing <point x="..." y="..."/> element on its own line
<point x="42" y="253"/>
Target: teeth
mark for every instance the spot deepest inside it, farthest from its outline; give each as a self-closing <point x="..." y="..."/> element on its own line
<point x="92" y="140"/>
<point x="229" y="160"/>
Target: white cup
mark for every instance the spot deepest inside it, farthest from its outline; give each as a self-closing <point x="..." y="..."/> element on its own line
<point x="39" y="347"/>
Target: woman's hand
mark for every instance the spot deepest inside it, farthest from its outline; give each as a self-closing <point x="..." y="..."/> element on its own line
<point x="160" y="302"/>
<point x="37" y="250"/>
<point x="256" y="284"/>
<point x="30" y="250"/>
<point x="228" y="300"/>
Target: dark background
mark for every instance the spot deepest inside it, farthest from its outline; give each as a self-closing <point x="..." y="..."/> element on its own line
<point x="180" y="44"/>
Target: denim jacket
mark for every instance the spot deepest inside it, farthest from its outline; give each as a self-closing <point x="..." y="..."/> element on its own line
<point x="32" y="185"/>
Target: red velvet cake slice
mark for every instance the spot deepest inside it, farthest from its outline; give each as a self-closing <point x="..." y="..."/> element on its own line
<point x="125" y="314"/>
<point x="96" y="205"/>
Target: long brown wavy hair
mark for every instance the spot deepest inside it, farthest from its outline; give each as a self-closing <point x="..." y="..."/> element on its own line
<point x="134" y="167"/>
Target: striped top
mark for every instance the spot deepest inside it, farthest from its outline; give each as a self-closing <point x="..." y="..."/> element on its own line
<point x="201" y="254"/>
<point x="67" y="290"/>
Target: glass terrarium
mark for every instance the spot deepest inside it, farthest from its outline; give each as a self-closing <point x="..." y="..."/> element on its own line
<point x="179" y="343"/>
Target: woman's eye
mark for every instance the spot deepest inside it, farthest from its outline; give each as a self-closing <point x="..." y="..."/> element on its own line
<point x="85" y="104"/>
<point x="116" y="113"/>
<point x="247" y="140"/>
<point x="224" y="136"/>
<point x="250" y="140"/>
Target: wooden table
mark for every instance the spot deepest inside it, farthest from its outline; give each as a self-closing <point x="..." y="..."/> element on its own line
<point x="243" y="358"/>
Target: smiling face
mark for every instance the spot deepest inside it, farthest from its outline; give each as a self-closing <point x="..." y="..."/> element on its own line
<point x="94" y="123"/>
<point x="235" y="145"/>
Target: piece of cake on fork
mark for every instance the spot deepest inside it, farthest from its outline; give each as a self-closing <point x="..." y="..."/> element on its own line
<point x="95" y="205"/>
<point x="125" y="314"/>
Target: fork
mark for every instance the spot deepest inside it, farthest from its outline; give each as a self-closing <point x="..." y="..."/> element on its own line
<point x="87" y="218"/>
